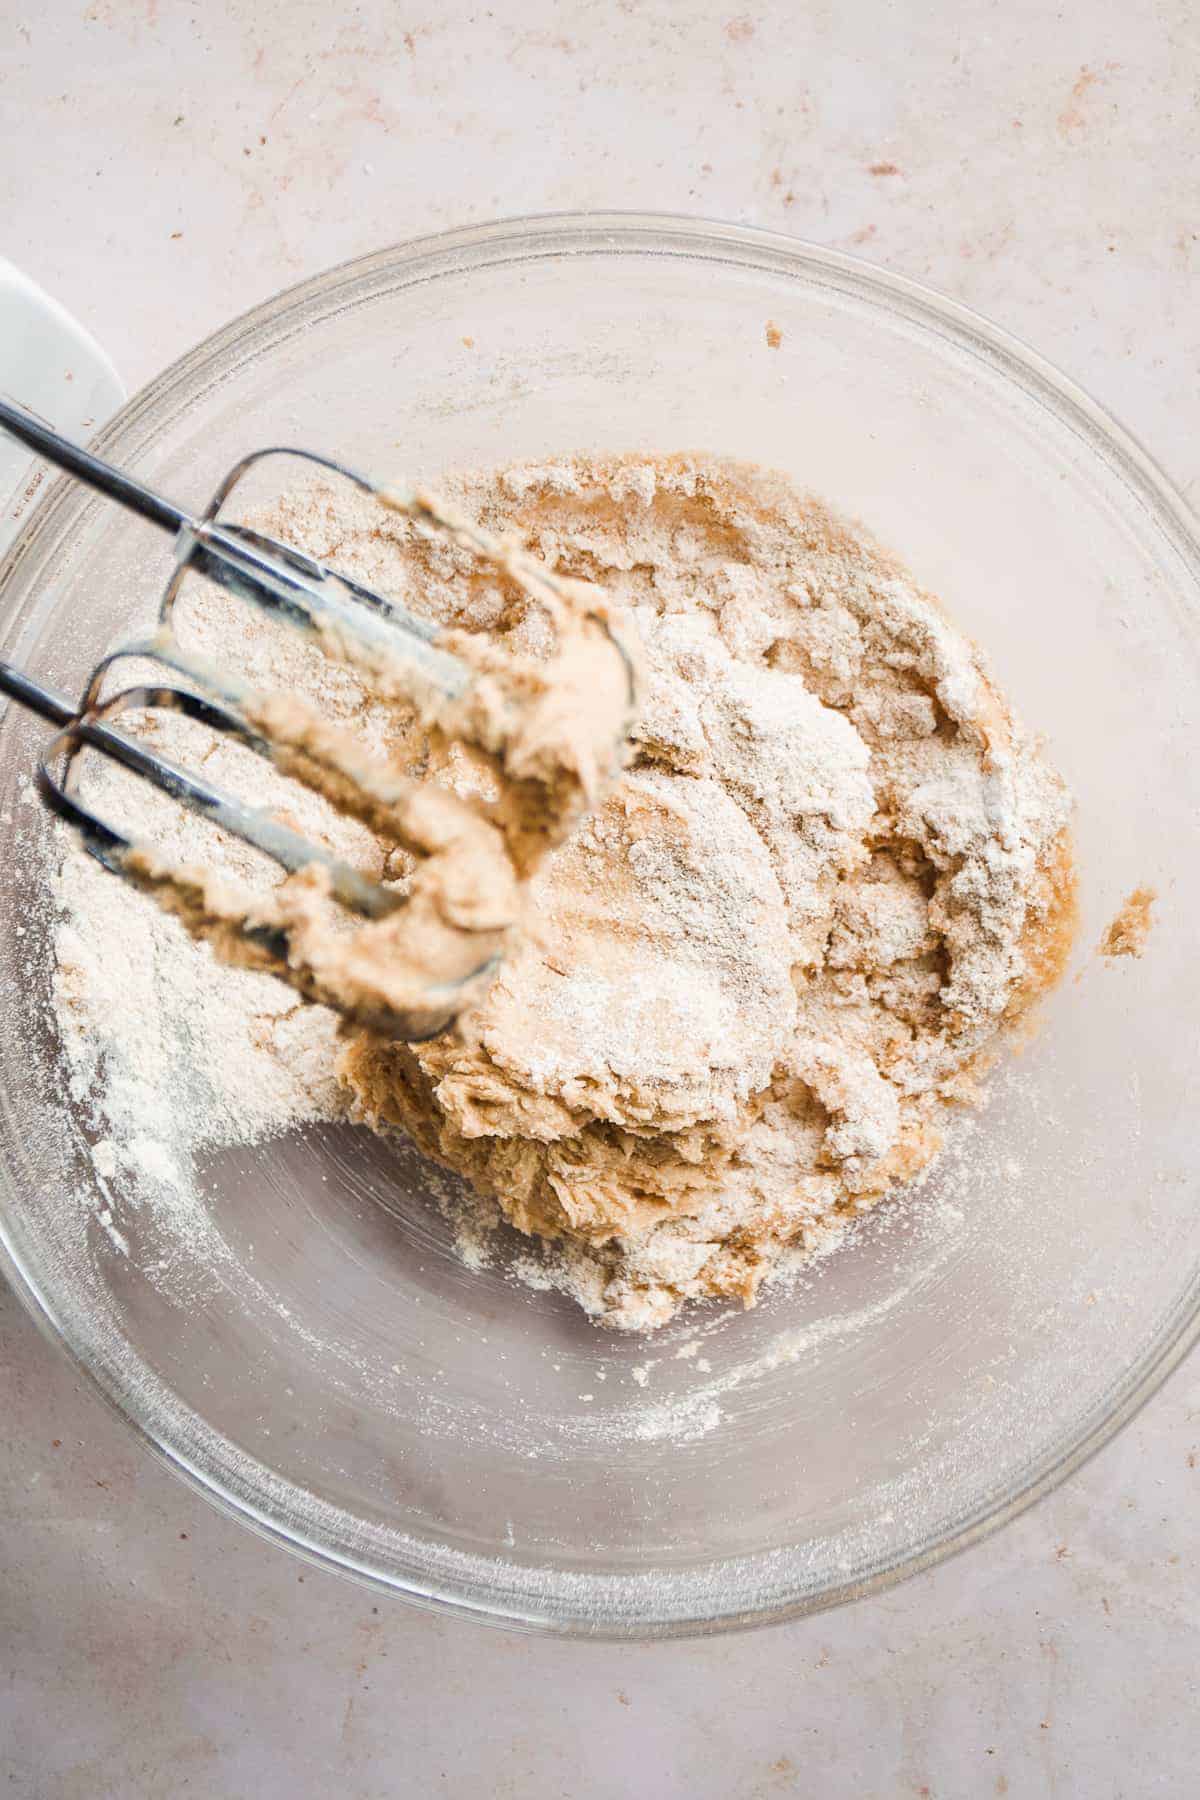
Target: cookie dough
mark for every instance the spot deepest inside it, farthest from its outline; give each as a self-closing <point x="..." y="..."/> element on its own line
<point x="749" y="987"/>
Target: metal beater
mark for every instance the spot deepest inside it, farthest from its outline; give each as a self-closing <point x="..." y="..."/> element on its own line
<point x="350" y="622"/>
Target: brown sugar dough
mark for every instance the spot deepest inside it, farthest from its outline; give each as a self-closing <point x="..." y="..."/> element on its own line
<point x="753" y="982"/>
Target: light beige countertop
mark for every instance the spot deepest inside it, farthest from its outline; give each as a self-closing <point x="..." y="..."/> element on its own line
<point x="169" y="164"/>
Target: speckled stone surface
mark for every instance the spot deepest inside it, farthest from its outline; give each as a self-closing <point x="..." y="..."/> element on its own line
<point x="168" y="164"/>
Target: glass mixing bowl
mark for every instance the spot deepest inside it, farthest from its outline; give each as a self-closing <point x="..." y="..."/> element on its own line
<point x="316" y="1358"/>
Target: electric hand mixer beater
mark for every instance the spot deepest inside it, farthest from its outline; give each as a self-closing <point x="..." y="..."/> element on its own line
<point x="417" y="957"/>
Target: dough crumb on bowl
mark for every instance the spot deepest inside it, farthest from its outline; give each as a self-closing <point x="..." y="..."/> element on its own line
<point x="1126" y="935"/>
<point x="752" y="986"/>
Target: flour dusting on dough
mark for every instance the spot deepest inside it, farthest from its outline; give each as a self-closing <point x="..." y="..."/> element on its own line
<point x="789" y="940"/>
<point x="751" y="984"/>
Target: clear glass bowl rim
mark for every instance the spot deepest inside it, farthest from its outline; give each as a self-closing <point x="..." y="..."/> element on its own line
<point x="567" y="234"/>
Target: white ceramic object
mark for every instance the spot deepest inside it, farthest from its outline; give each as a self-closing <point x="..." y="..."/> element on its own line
<point x="49" y="363"/>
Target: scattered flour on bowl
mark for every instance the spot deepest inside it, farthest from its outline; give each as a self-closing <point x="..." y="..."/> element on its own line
<point x="759" y="977"/>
